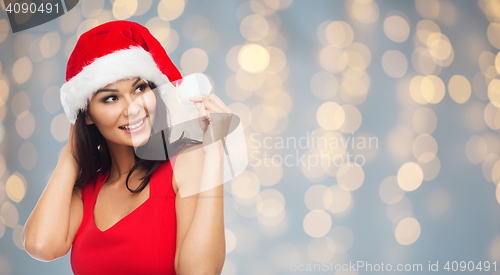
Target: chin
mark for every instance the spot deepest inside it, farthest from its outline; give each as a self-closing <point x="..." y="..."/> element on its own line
<point x="139" y="141"/>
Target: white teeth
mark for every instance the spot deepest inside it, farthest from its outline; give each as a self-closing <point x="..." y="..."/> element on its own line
<point x="132" y="127"/>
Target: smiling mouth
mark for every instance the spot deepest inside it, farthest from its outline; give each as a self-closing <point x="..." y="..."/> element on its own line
<point x="134" y="126"/>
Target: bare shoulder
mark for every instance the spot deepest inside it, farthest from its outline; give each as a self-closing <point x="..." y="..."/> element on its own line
<point x="187" y="164"/>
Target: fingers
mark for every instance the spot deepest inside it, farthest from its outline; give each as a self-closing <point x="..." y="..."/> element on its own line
<point x="207" y="106"/>
<point x="212" y="98"/>
<point x="198" y="97"/>
<point x="201" y="108"/>
<point x="211" y="106"/>
<point x="202" y="116"/>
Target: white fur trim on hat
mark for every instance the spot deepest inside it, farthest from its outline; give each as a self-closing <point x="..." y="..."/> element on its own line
<point x="121" y="64"/>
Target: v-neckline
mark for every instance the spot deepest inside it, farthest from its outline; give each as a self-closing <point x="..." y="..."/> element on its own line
<point x="120" y="220"/>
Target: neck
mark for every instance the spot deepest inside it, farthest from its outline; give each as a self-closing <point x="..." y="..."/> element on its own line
<point x="122" y="160"/>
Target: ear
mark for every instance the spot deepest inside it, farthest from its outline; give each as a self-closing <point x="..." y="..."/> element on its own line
<point x="88" y="119"/>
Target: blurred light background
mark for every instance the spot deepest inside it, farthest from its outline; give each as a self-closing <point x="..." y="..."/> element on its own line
<point x="409" y="89"/>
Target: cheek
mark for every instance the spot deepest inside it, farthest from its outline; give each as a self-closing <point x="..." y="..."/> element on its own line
<point x="150" y="102"/>
<point x="106" y="117"/>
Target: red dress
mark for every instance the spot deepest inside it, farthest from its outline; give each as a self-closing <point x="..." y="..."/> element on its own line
<point x="143" y="242"/>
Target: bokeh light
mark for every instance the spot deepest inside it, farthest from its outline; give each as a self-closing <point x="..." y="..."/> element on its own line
<point x="270" y="202"/>
<point x="314" y="197"/>
<point x="407" y="231"/>
<point x="350" y="176"/>
<point x="171" y="9"/>
<point x="339" y="34"/>
<point x="20" y="103"/>
<point x="27" y="155"/>
<point x="124" y="9"/>
<point x="22" y="70"/>
<point x="396" y="28"/>
<point x="264" y="118"/>
<point x="317" y="223"/>
<point x="394" y="63"/>
<point x="459" y="88"/>
<point x="143" y="7"/>
<point x="352" y="120"/>
<point x="91" y="9"/>
<point x="427" y="89"/>
<point x="268" y="175"/>
<point x="253" y="58"/>
<point x="430" y="168"/>
<point x="196" y="27"/>
<point x="277" y="60"/>
<point x="4" y="29"/>
<point x="343" y="238"/>
<point x="16" y="187"/>
<point x="86" y="26"/>
<point x="494" y="92"/>
<point x="313" y="167"/>
<point x="488" y="164"/>
<point x="423" y="63"/>
<point x="410" y="176"/>
<point x="333" y="59"/>
<point x="424" y="148"/>
<point x="25" y="124"/>
<point x="245" y="188"/>
<point x="51" y="99"/>
<point x="476" y="149"/>
<point x="9" y="214"/>
<point x="354" y="89"/>
<point x="493" y="34"/>
<point x="254" y="27"/>
<point x="59" y="127"/>
<point x="399" y="142"/>
<point x="424" y="121"/>
<point x="337" y="199"/>
<point x="230" y="240"/>
<point x="330" y="116"/>
<point x="365" y="11"/>
<point x="194" y="61"/>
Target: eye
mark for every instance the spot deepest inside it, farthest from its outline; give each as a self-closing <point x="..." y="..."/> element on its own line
<point x="105" y="100"/>
<point x="142" y="87"/>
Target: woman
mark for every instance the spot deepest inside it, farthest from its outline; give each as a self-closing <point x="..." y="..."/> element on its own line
<point x="110" y="97"/>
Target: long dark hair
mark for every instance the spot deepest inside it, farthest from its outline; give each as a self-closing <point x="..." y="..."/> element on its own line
<point x="92" y="153"/>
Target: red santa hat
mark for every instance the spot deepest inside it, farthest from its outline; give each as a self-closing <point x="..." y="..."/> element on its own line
<point x="110" y="52"/>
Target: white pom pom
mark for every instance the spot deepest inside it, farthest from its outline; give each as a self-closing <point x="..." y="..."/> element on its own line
<point x="192" y="85"/>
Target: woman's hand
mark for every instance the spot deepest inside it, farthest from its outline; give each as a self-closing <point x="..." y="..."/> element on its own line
<point x="69" y="148"/>
<point x="214" y="118"/>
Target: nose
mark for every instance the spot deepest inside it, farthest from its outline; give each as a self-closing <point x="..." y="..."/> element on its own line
<point x="132" y="107"/>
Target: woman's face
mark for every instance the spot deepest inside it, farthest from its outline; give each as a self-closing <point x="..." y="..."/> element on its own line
<point x="123" y="112"/>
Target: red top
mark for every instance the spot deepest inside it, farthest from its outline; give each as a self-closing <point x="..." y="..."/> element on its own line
<point x="143" y="242"/>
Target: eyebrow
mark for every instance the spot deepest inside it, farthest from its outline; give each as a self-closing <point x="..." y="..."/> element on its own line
<point x="116" y="90"/>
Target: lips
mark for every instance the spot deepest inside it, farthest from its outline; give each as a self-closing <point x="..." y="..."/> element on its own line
<point x="137" y="129"/>
<point x="133" y="122"/>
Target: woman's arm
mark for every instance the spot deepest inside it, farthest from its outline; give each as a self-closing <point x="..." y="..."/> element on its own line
<point x="201" y="247"/>
<point x="52" y="225"/>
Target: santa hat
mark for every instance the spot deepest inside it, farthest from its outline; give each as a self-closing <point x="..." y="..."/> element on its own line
<point x="110" y="52"/>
